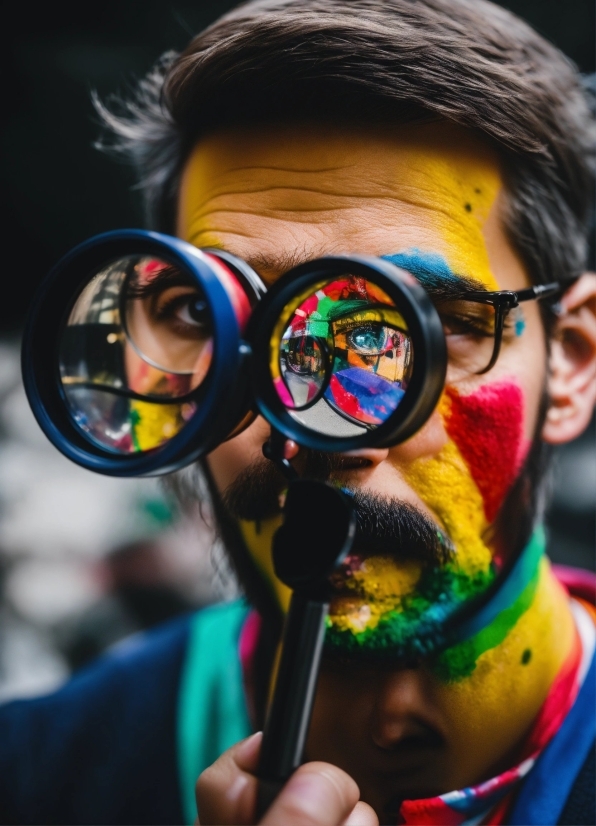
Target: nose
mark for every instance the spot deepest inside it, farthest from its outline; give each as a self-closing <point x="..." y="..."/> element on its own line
<point x="398" y="711"/>
<point x="372" y="455"/>
<point x="369" y="457"/>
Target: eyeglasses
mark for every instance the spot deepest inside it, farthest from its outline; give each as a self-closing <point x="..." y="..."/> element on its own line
<point x="373" y="340"/>
<point x="476" y="323"/>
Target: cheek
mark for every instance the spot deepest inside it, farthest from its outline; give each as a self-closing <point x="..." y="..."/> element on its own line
<point x="232" y="457"/>
<point x="488" y="428"/>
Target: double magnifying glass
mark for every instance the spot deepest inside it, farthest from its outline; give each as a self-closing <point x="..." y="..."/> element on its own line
<point x="142" y="353"/>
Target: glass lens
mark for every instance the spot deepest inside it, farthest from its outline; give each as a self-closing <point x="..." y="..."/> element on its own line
<point x="167" y="319"/>
<point x="469" y="329"/>
<point x="341" y="356"/>
<point x="136" y="344"/>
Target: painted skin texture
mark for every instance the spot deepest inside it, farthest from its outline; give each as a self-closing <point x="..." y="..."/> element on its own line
<point x="279" y="197"/>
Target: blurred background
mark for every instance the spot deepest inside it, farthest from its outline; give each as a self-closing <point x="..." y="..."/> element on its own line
<point x="87" y="560"/>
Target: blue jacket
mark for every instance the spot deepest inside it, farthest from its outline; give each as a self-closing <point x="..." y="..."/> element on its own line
<point x="124" y="741"/>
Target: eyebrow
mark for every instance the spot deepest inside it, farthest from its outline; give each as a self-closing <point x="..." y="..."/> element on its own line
<point x="277" y="264"/>
<point x="435" y="274"/>
<point x="429" y="268"/>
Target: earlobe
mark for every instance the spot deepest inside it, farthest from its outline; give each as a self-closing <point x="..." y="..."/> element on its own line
<point x="572" y="367"/>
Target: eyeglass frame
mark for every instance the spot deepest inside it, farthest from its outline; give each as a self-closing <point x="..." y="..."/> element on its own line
<point x="503" y="302"/>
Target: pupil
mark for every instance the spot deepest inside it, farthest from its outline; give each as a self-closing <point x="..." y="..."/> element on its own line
<point x="371" y="339"/>
<point x="197" y="310"/>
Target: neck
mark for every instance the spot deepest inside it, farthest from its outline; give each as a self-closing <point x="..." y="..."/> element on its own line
<point x="498" y="702"/>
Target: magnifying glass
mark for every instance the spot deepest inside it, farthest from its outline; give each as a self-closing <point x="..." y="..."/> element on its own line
<point x="348" y="352"/>
<point x="133" y="354"/>
<point x="142" y="353"/>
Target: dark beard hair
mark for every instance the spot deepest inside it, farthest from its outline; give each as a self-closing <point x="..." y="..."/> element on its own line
<point x="384" y="526"/>
<point x="255" y="495"/>
<point x="527" y="499"/>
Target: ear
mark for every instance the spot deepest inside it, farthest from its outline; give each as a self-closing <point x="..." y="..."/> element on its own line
<point x="572" y="367"/>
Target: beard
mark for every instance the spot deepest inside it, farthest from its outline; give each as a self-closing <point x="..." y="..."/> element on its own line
<point x="386" y="528"/>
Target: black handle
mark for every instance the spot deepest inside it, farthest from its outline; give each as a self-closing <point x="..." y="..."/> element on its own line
<point x="317" y="533"/>
<point x="291" y="708"/>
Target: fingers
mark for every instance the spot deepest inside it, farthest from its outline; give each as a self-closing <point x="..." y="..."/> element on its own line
<point x="362" y="815"/>
<point x="227" y="790"/>
<point x="317" y="794"/>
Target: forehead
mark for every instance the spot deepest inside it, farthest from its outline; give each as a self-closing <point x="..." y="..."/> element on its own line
<point x="278" y="196"/>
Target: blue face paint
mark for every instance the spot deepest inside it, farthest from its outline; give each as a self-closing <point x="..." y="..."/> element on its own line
<point x="430" y="268"/>
<point x="520" y="322"/>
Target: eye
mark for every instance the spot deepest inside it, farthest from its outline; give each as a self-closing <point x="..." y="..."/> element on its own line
<point x="193" y="311"/>
<point x="184" y="312"/>
<point x="368" y="339"/>
<point x="467" y="318"/>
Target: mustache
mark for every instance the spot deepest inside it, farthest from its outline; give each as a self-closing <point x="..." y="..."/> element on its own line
<point x="384" y="526"/>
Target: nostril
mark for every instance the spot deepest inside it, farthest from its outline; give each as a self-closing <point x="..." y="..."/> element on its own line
<point x="352" y="462"/>
<point x="368" y="456"/>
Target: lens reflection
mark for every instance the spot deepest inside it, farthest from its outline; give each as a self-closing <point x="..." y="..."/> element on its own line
<point x="341" y="356"/>
<point x="136" y="344"/>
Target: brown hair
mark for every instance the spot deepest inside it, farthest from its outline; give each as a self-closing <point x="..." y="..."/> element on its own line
<point x="381" y="62"/>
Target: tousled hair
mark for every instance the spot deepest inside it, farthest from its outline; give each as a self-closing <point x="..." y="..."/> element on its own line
<point x="381" y="62"/>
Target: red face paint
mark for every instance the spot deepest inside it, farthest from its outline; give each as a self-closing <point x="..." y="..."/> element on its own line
<point x="487" y="427"/>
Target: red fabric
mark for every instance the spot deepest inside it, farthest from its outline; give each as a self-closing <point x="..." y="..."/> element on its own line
<point x="247" y="648"/>
<point x="578" y="582"/>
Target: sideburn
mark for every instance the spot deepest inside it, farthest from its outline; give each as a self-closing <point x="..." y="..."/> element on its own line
<point x="525" y="503"/>
<point x="258" y="593"/>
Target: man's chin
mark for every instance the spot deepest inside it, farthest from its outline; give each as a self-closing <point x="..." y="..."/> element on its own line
<point x="396" y="612"/>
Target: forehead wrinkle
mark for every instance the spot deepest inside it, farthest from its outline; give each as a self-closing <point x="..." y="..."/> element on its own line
<point x="426" y="185"/>
<point x="266" y="168"/>
<point x="388" y="211"/>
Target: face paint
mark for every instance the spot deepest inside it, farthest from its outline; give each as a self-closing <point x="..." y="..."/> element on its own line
<point x="464" y="486"/>
<point x="459" y="661"/>
<point x="432" y="193"/>
<point x="258" y="537"/>
<point x="495" y="683"/>
<point x="487" y="427"/>
<point x="153" y="424"/>
<point x="519" y="321"/>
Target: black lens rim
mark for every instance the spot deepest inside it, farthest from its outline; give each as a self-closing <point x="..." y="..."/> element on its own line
<point x="424" y="327"/>
<point x="222" y="403"/>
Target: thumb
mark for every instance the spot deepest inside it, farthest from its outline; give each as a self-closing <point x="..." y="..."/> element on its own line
<point x="317" y="794"/>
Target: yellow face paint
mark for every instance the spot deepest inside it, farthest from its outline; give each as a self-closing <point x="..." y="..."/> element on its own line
<point x="273" y="196"/>
<point x="280" y="195"/>
<point x="495" y="705"/>
<point x="258" y="537"/>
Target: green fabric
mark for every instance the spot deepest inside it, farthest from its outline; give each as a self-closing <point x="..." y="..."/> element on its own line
<point x="212" y="713"/>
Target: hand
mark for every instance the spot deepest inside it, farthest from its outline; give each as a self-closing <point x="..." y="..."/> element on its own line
<point x="317" y="794"/>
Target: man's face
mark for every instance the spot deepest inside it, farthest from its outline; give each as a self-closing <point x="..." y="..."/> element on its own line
<point x="430" y="196"/>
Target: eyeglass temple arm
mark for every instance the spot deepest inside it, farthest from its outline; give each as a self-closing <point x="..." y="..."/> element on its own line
<point x="539" y="291"/>
<point x="511" y="298"/>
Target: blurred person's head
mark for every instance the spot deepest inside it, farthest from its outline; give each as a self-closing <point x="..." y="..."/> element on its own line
<point x="449" y="137"/>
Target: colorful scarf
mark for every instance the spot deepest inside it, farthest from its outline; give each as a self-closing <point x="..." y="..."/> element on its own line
<point x="489" y="802"/>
